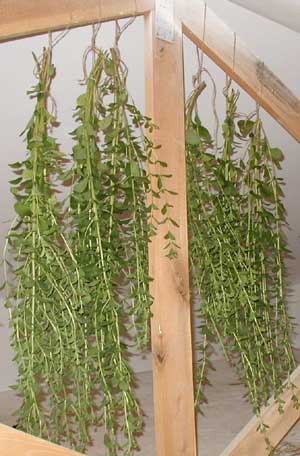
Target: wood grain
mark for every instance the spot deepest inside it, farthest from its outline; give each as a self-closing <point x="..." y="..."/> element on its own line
<point x="250" y="442"/>
<point x="20" y="18"/>
<point x="220" y="43"/>
<point x="16" y="443"/>
<point x="171" y="321"/>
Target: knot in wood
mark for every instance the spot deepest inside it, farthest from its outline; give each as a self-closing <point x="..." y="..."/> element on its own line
<point x="160" y="357"/>
<point x="180" y="284"/>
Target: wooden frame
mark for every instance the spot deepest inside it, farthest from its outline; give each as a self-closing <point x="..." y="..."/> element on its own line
<point x="171" y="326"/>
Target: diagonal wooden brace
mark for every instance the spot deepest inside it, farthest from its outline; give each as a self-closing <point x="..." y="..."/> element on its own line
<point x="251" y="442"/>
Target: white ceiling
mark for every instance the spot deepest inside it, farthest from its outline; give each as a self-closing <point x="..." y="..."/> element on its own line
<point x="285" y="12"/>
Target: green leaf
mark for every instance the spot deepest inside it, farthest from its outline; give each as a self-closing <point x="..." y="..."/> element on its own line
<point x="135" y="170"/>
<point x="81" y="100"/>
<point x="276" y="154"/>
<point x="123" y="97"/>
<point x="192" y="138"/>
<point x="27" y="174"/>
<point x="81" y="185"/>
<point x="79" y="152"/>
<point x="89" y="129"/>
<point x="105" y="122"/>
<point x="203" y="132"/>
<point x="15" y="181"/>
<point x="22" y="209"/>
<point x="16" y="165"/>
<point x="109" y="67"/>
<point x="245" y="127"/>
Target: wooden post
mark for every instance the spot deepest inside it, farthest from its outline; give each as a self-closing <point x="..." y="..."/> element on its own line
<point x="171" y="321"/>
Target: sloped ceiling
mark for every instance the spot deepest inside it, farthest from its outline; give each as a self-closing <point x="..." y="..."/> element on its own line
<point x="284" y="12"/>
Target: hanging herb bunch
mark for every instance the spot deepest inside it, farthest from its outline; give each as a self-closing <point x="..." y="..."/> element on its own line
<point x="237" y="250"/>
<point x="112" y="228"/>
<point x="79" y="292"/>
<point x="43" y="294"/>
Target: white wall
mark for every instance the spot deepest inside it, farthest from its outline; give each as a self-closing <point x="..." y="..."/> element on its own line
<point x="277" y="46"/>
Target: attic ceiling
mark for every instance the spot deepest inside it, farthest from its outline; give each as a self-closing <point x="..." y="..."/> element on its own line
<point x="284" y="12"/>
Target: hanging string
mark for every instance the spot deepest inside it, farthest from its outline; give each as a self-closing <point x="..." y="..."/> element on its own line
<point x="118" y="33"/>
<point x="90" y="49"/>
<point x="60" y="37"/>
<point x="95" y="31"/>
<point x="197" y="80"/>
<point x="200" y="58"/>
<point x="214" y="108"/>
<point x="53" y="108"/>
<point x="262" y="80"/>
<point x="234" y="51"/>
<point x="120" y="30"/>
<point x="50" y="40"/>
<point x="228" y="79"/>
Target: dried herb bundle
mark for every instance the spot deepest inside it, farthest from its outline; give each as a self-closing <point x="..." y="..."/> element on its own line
<point x="237" y="250"/>
<point x="44" y="293"/>
<point x="79" y="295"/>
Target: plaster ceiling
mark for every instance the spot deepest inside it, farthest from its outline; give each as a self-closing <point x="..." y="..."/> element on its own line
<point x="284" y="12"/>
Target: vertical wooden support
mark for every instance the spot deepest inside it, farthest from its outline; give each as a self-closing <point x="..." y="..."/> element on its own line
<point x="171" y="322"/>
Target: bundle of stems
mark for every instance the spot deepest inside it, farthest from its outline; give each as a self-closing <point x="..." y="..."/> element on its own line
<point x="112" y="226"/>
<point x="79" y="292"/>
<point x="237" y="250"/>
<point x="43" y="294"/>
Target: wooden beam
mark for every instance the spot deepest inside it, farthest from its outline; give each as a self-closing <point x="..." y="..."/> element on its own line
<point x="16" y="443"/>
<point x="171" y="322"/>
<point x="250" y="442"/>
<point x="20" y="18"/>
<point x="209" y="33"/>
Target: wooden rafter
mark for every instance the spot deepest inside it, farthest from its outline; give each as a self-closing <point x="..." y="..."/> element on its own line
<point x="20" y="18"/>
<point x="16" y="443"/>
<point x="250" y="442"/>
<point x="210" y="33"/>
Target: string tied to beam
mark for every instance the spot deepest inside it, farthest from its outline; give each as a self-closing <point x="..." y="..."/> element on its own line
<point x="90" y="49"/>
<point x="118" y="33"/>
<point x="120" y="30"/>
<point x="52" y="43"/>
<point x="198" y="76"/>
<point x="228" y="80"/>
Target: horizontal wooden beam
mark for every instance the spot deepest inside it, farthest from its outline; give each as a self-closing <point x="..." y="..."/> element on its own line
<point x="250" y="441"/>
<point x="20" y="18"/>
<point x="222" y="45"/>
<point x="16" y="443"/>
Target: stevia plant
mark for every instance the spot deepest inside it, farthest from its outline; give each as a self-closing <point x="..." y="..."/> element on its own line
<point x="43" y="285"/>
<point x="112" y="206"/>
<point x="237" y="250"/>
<point x="77" y="276"/>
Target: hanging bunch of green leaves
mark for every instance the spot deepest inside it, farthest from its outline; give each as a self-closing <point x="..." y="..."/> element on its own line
<point x="78" y="282"/>
<point x="237" y="250"/>
<point x="111" y="206"/>
<point x="44" y="294"/>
